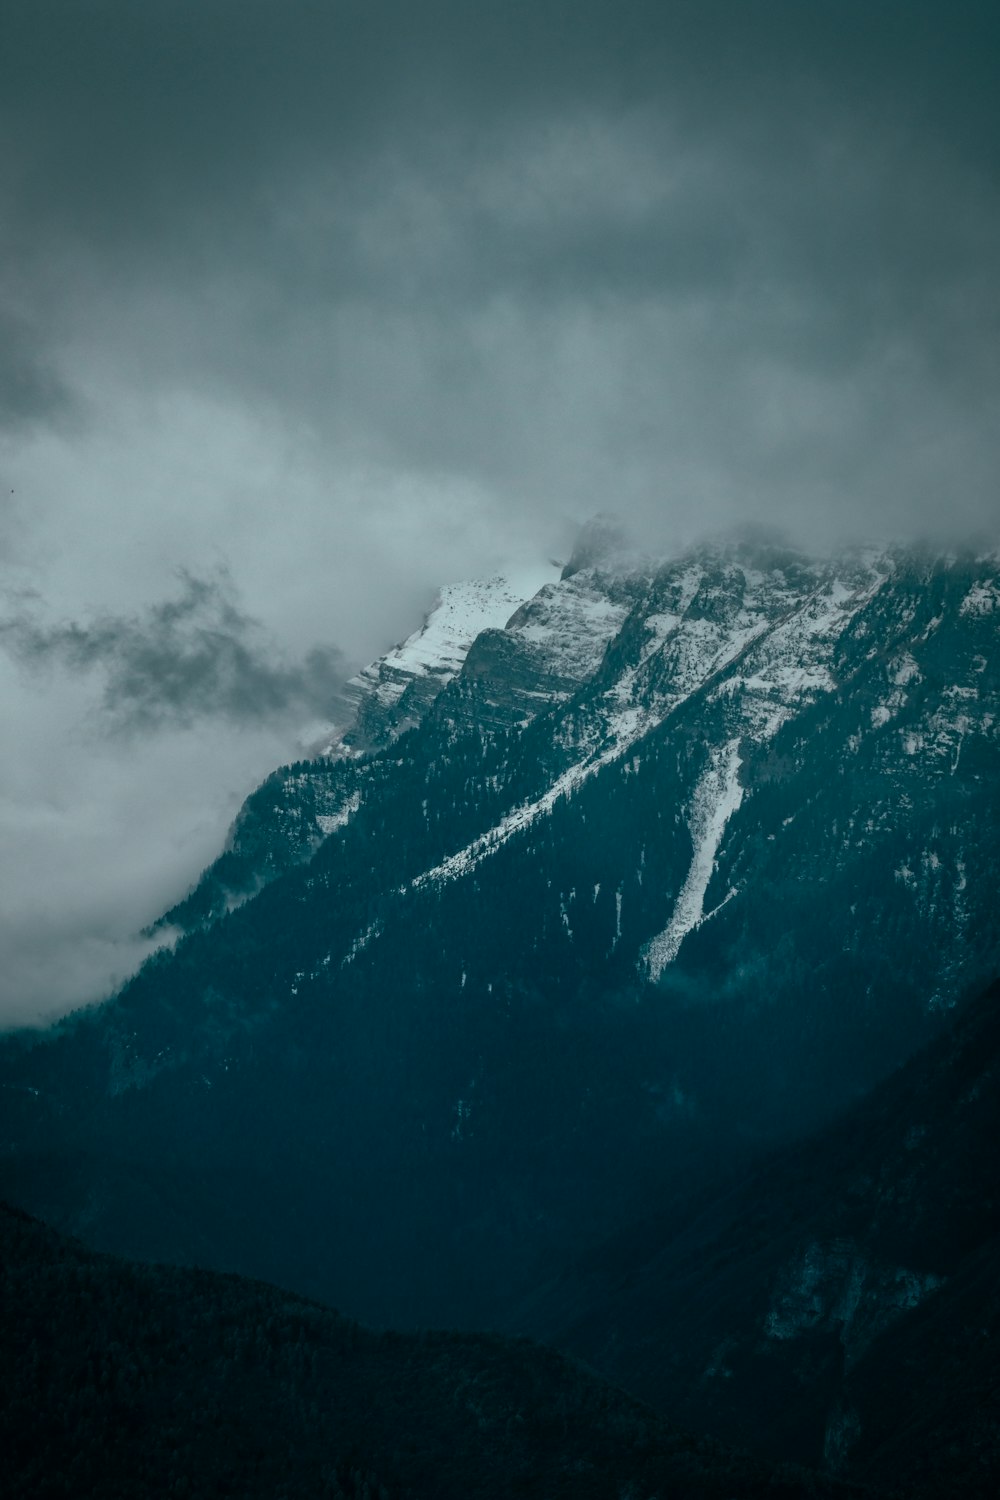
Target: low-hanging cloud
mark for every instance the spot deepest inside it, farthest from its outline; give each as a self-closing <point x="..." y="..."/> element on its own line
<point x="196" y="656"/>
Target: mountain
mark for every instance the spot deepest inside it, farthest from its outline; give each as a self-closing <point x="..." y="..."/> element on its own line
<point x="146" y="1380"/>
<point x="679" y="861"/>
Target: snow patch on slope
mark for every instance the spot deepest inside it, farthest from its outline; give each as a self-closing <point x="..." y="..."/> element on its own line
<point x="716" y="797"/>
<point x="780" y="647"/>
<point x="360" y="943"/>
<point x="473" y="854"/>
<point x="982" y="599"/>
<point x="462" y="610"/>
<point x="622" y="732"/>
<point x="564" y="629"/>
<point x="790" y="664"/>
<point x="328" y="823"/>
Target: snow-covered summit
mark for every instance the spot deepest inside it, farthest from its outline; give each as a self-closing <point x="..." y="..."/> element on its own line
<point x="392" y="693"/>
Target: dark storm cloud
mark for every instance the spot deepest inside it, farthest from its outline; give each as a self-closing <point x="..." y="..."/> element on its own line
<point x="122" y="121"/>
<point x="187" y="659"/>
<point x="666" y="248"/>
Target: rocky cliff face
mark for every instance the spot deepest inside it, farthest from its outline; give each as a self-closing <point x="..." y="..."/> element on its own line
<point x="551" y="646"/>
<point x="395" y="693"/>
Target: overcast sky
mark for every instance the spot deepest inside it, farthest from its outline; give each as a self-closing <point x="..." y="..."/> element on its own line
<point x="309" y="306"/>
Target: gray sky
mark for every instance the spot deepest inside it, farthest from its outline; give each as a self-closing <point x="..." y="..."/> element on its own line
<point x="307" y="306"/>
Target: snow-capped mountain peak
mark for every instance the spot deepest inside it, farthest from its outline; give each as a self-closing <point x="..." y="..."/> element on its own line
<point x="392" y="693"/>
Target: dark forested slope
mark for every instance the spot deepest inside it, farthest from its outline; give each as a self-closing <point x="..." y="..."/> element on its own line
<point x="841" y="1303"/>
<point x="125" y="1381"/>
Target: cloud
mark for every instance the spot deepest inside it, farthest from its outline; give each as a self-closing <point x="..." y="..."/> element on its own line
<point x="103" y="828"/>
<point x="694" y="259"/>
<point x="193" y="657"/>
<point x="30" y="390"/>
<point x="50" y="968"/>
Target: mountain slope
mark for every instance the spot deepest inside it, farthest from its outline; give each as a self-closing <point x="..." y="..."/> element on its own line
<point x="840" y="1302"/>
<point x="569" y="941"/>
<point x="145" y="1380"/>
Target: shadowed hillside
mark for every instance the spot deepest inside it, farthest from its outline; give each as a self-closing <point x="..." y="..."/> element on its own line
<point x="124" y="1380"/>
<point x="841" y="1303"/>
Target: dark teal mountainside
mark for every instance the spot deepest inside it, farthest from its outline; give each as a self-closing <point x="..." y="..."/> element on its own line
<point x="581" y="919"/>
<point x="149" y="1380"/>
